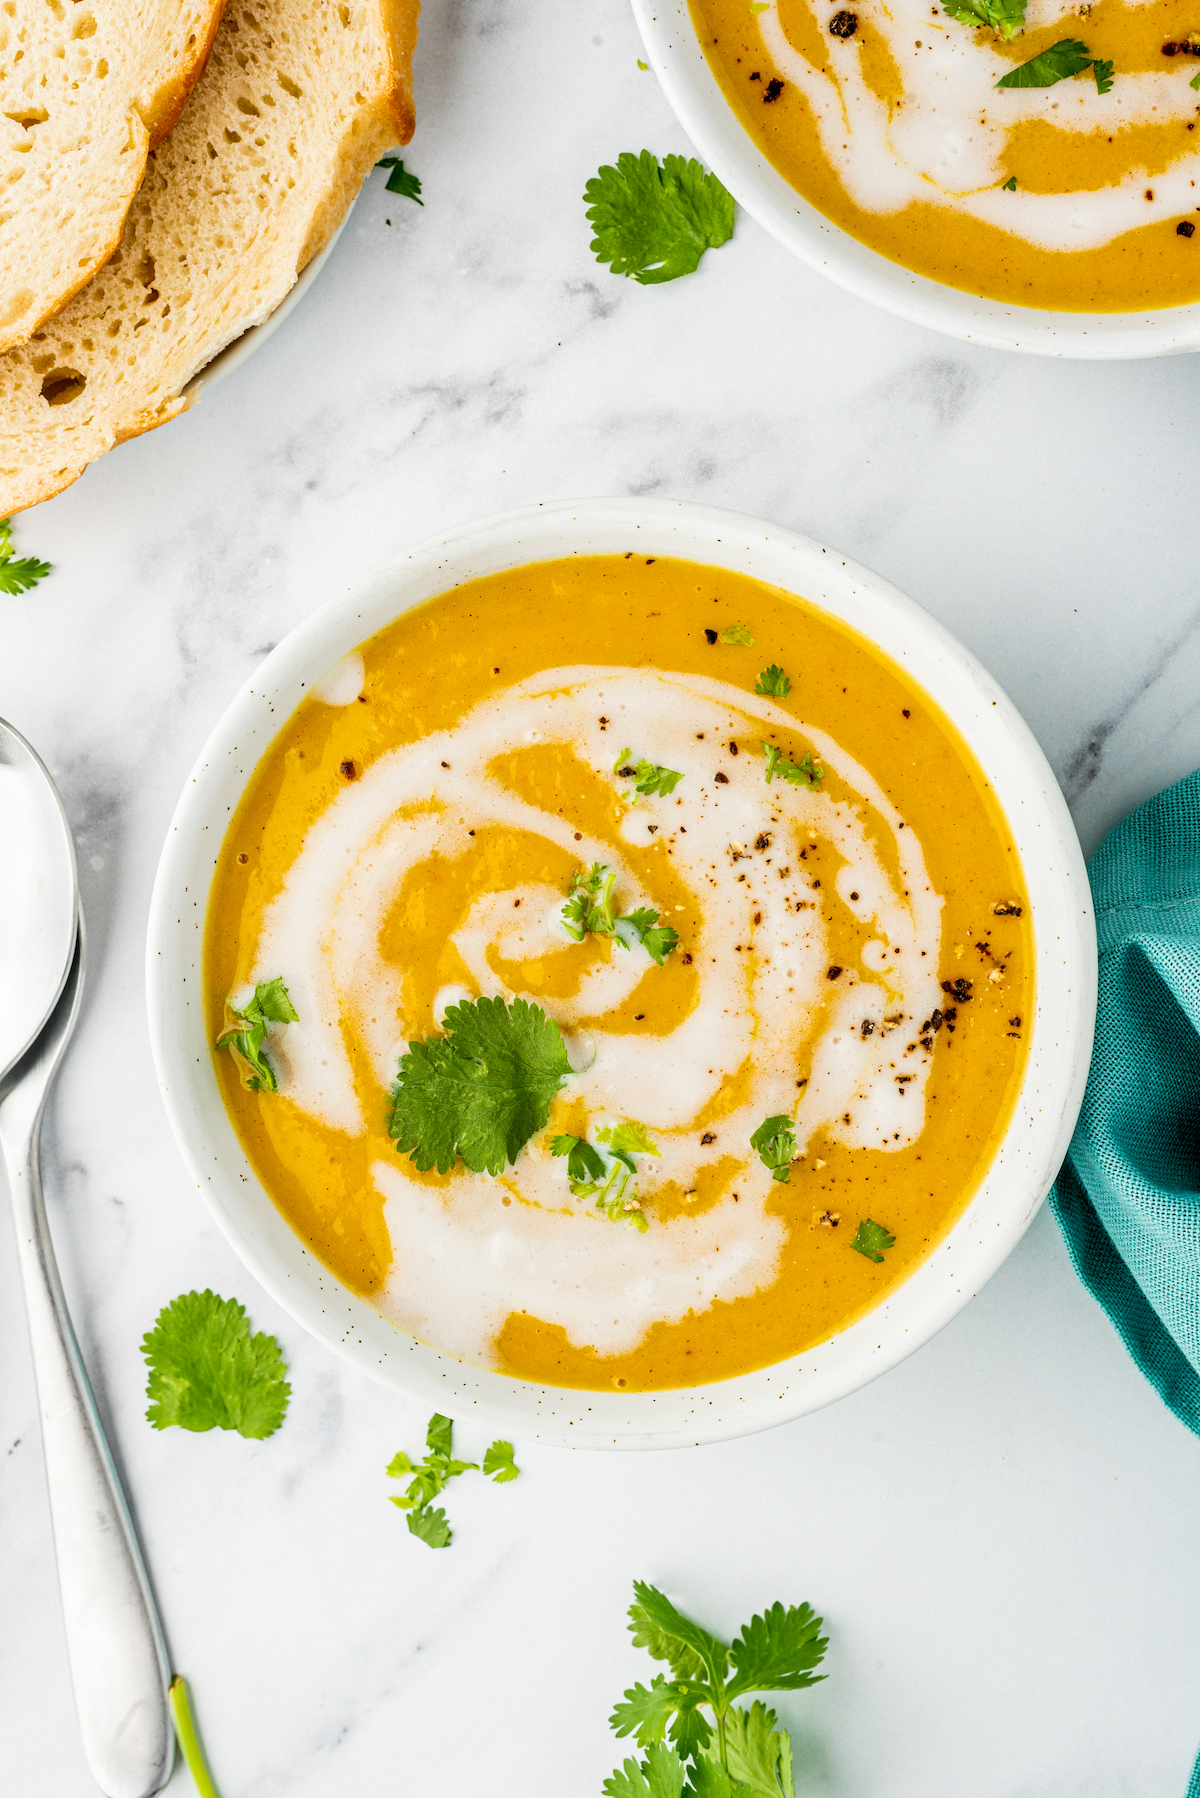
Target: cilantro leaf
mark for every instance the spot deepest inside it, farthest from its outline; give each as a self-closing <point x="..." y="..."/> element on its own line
<point x="482" y="1090"/>
<point x="651" y="779"/>
<point x="777" y="1651"/>
<point x="652" y="223"/>
<point x="625" y="1140"/>
<point x="1103" y="71"/>
<point x="759" y="1752"/>
<point x="431" y="1526"/>
<point x="775" y="1141"/>
<point x="18" y="573"/>
<point x="660" y="1775"/>
<point x="439" y="1434"/>
<point x="643" y="926"/>
<point x="589" y="907"/>
<point x="773" y="682"/>
<point x="498" y="1463"/>
<point x="647" y="1710"/>
<point x="1062" y="60"/>
<point x="871" y="1240"/>
<point x="804" y="773"/>
<point x="1006" y="16"/>
<point x="245" y="1033"/>
<point x="583" y="1163"/>
<point x="401" y="180"/>
<point x="1195" y="81"/>
<point x="208" y="1372"/>
<point x="1010" y="186"/>
<point x="692" y="1652"/>
<point x="734" y="634"/>
<point x="709" y="1779"/>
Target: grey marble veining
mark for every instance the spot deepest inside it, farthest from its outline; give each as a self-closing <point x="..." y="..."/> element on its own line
<point x="1000" y="1533"/>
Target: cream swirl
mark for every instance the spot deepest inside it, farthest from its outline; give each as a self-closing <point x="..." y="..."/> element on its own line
<point x="765" y="1006"/>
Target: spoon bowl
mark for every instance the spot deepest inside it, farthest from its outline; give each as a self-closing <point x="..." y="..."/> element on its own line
<point x="38" y="896"/>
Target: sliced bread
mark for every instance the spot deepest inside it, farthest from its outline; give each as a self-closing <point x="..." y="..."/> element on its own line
<point x="87" y="89"/>
<point x="296" y="102"/>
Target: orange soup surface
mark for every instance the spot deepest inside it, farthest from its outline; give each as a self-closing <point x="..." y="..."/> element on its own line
<point x="660" y="868"/>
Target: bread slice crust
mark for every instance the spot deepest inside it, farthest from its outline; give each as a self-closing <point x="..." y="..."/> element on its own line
<point x="297" y="101"/>
<point x="85" y="94"/>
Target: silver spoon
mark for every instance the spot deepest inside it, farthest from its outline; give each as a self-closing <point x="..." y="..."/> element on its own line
<point x="114" y="1640"/>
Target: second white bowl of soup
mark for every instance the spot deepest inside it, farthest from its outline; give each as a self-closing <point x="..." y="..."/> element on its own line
<point x="623" y="973"/>
<point x="874" y="142"/>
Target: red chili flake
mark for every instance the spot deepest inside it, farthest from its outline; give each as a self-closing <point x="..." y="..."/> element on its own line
<point x="710" y="635"/>
<point x="348" y="769"/>
<point x="833" y="972"/>
<point x="686" y="960"/>
<point x="709" y="1136"/>
<point x="843" y="24"/>
<point x="1184" y="228"/>
<point x="722" y="780"/>
<point x="758" y="917"/>
<point x="774" y="89"/>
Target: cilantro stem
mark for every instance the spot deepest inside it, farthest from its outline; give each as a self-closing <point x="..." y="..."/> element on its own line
<point x="189" y="1738"/>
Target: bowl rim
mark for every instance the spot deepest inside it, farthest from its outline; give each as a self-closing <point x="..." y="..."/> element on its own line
<point x="1033" y="1145"/>
<point x="695" y="97"/>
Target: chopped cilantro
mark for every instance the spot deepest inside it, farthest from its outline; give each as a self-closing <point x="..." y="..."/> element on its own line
<point x="757" y="6"/>
<point x="589" y="903"/>
<point x="1062" y="60"/>
<point x="431" y="1476"/>
<point x="482" y="1090"/>
<point x="591" y="1177"/>
<point x="17" y="573"/>
<point x="1010" y="186"/>
<point x="207" y="1371"/>
<point x="642" y="65"/>
<point x="652" y="781"/>
<point x="401" y="180"/>
<point x="1103" y="71"/>
<point x="1195" y="82"/>
<point x="872" y="1239"/>
<point x="739" y="1753"/>
<point x="1006" y="16"/>
<point x="643" y="926"/>
<point x="775" y="1141"/>
<point x="735" y="634"/>
<point x="652" y="223"/>
<point x="583" y="1162"/>
<point x="804" y="773"/>
<point x="188" y="1735"/>
<point x="773" y="682"/>
<point x="245" y="1033"/>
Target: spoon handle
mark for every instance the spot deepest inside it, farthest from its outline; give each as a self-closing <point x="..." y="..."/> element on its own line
<point x="114" y="1640"/>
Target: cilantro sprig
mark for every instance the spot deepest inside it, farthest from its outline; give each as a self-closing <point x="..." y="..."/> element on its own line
<point x="401" y="180"/>
<point x="590" y="1176"/>
<point x="482" y="1090"/>
<point x="18" y="573"/>
<point x="207" y="1371"/>
<point x="652" y="781"/>
<point x="655" y="223"/>
<point x="804" y="773"/>
<point x="589" y="911"/>
<point x="775" y="1141"/>
<point x="431" y="1476"/>
<point x="739" y="1753"/>
<point x="872" y="1240"/>
<point x="1062" y="60"/>
<point x="773" y="682"/>
<point x="1005" y="16"/>
<point x="245" y="1033"/>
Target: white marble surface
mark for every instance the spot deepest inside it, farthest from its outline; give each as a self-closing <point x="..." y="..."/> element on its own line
<point x="1001" y="1534"/>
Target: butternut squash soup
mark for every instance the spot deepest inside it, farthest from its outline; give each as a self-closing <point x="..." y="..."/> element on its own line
<point x="1071" y="186"/>
<point x="627" y="973"/>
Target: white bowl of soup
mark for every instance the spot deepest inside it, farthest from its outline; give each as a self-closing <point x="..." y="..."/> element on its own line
<point x="874" y="143"/>
<point x="622" y="973"/>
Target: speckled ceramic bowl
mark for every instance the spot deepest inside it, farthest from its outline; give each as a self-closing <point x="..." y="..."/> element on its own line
<point x="1032" y="1147"/>
<point x="674" y="53"/>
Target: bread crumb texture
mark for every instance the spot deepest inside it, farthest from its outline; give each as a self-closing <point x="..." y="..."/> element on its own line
<point x="296" y="102"/>
<point x="87" y="89"/>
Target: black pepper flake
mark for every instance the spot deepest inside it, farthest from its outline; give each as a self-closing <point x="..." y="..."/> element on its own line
<point x="722" y="780"/>
<point x="854" y="895"/>
<point x="652" y="828"/>
<point x="833" y="972"/>
<point x="686" y="960"/>
<point x="756" y="76"/>
<point x="445" y="764"/>
<point x="349" y="770"/>
<point x="959" y="989"/>
<point x="774" y="89"/>
<point x="1014" y="1023"/>
<point x="709" y="1136"/>
<point x="758" y="917"/>
<point x="867" y="1027"/>
<point x="733" y="748"/>
<point x="1184" y="228"/>
<point x="906" y="714"/>
<point x="1005" y="910"/>
<point x="639" y="1017"/>
<point x="710" y="636"/>
<point x="843" y="24"/>
<point x="1170" y="49"/>
<point x="762" y="841"/>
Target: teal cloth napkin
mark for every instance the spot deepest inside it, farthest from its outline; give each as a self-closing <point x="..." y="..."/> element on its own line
<point x="1128" y="1197"/>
